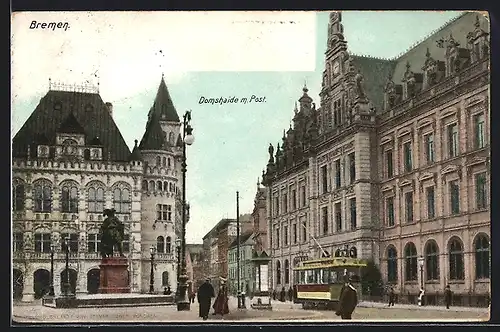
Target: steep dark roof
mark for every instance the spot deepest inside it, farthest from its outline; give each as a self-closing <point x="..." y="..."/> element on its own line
<point x="458" y="28"/>
<point x="88" y="110"/>
<point x="71" y="126"/>
<point x="163" y="109"/>
<point x="375" y="73"/>
<point x="243" y="239"/>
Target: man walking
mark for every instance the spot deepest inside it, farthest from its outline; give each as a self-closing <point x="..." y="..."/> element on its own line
<point x="447" y="296"/>
<point x="391" y="297"/>
<point x="348" y="300"/>
<point x="205" y="294"/>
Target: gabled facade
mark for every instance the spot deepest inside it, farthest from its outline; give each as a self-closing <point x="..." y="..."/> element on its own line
<point x="70" y="162"/>
<point x="394" y="164"/>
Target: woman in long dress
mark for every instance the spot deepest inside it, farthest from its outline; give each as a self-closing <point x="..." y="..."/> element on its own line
<point x="221" y="302"/>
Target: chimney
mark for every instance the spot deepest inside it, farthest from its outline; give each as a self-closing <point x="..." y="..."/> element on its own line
<point x="110" y="108"/>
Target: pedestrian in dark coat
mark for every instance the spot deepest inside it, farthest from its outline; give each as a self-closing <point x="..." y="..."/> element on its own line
<point x="348" y="301"/>
<point x="221" y="306"/>
<point x="205" y="294"/>
<point x="282" y="294"/>
<point x="447" y="296"/>
<point x="391" y="297"/>
<point x="274" y="295"/>
<point x="290" y="294"/>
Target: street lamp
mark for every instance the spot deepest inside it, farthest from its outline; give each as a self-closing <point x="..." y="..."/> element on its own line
<point x="182" y="302"/>
<point x="152" y="250"/>
<point x="178" y="243"/>
<point x="51" y="288"/>
<point x="421" y="264"/>
<point x="67" y="290"/>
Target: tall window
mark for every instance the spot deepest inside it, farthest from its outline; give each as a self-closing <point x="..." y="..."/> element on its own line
<point x="278" y="243"/>
<point x="454" y="197"/>
<point x="392" y="264"/>
<point x="94" y="242"/>
<point x="303" y="195"/>
<point x="389" y="204"/>
<point x="481" y="191"/>
<point x="352" y="208"/>
<point x="42" y="242"/>
<point x="168" y="245"/>
<point x="338" y="216"/>
<point x="324" y="218"/>
<point x="121" y="200"/>
<point x="276" y="206"/>
<point x="278" y="272"/>
<point x="407" y="151"/>
<point x="164" y="279"/>
<point x="126" y="243"/>
<point x="352" y="167"/>
<point x="338" y="181"/>
<point x="324" y="179"/>
<point x="163" y="212"/>
<point x="410" y="262"/>
<point x="70" y="240"/>
<point x="453" y="140"/>
<point x="160" y="244"/>
<point x="18" y="195"/>
<point x="456" y="256"/>
<point x="294" y="233"/>
<point x="409" y="206"/>
<point x="285" y="234"/>
<point x="482" y="257"/>
<point x="479" y="131"/>
<point x="337" y="115"/>
<point x="287" y="272"/>
<point x="69" y="198"/>
<point x="96" y="200"/>
<point x="18" y="242"/>
<point x="432" y="261"/>
<point x="431" y="211"/>
<point x="304" y="231"/>
<point x="43" y="196"/>
<point x="294" y="199"/>
<point x="285" y="203"/>
<point x="389" y="163"/>
<point x="429" y="148"/>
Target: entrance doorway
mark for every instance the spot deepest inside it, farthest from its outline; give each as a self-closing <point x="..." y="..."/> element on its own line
<point x="18" y="284"/>
<point x="72" y="281"/>
<point x="41" y="282"/>
<point x="93" y="277"/>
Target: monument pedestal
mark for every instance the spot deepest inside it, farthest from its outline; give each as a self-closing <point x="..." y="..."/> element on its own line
<point x="261" y="296"/>
<point x="114" y="275"/>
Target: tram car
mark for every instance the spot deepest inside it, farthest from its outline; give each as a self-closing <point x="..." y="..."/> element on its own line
<point x="319" y="281"/>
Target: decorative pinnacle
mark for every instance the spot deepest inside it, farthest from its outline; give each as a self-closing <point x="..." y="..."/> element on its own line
<point x="476" y="24"/>
<point x="428" y="53"/>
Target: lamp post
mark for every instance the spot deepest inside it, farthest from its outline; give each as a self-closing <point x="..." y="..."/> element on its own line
<point x="421" y="261"/>
<point x="152" y="250"/>
<point x="178" y="243"/>
<point x="187" y="139"/>
<point x="67" y="286"/>
<point x="51" y="287"/>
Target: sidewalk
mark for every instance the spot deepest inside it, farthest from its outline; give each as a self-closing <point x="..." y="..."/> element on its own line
<point x="277" y="305"/>
<point x="380" y="305"/>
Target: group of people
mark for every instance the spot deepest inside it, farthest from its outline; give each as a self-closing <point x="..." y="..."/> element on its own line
<point x="206" y="293"/>
<point x="447" y="296"/>
<point x="284" y="295"/>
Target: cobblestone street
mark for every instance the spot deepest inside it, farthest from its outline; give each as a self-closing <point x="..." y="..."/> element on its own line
<point x="36" y="313"/>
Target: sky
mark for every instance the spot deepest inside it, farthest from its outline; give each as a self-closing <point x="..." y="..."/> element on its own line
<point x="202" y="54"/>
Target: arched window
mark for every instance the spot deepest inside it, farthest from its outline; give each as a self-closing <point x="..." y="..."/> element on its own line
<point x="145" y="185"/>
<point x="168" y="162"/>
<point x="164" y="161"/>
<point x="287" y="272"/>
<point x="86" y="154"/>
<point x="171" y="138"/>
<point x="337" y="253"/>
<point x="121" y="200"/>
<point x="69" y="198"/>
<point x="96" y="200"/>
<point x="392" y="264"/>
<point x="482" y="257"/>
<point x="165" y="186"/>
<point x="171" y="187"/>
<point x="353" y="252"/>
<point x="164" y="279"/>
<point x="456" y="256"/>
<point x="278" y="273"/>
<point x="159" y="185"/>
<point x="151" y="186"/>
<point x="158" y="161"/>
<point x="432" y="260"/>
<point x="410" y="262"/>
<point x="160" y="245"/>
<point x="168" y="245"/>
<point x="18" y="196"/>
<point x="43" y="196"/>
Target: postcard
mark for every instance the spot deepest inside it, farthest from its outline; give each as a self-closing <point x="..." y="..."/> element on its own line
<point x="219" y="167"/>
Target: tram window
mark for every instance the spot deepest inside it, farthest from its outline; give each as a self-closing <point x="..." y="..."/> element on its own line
<point x="302" y="278"/>
<point x="310" y="277"/>
<point x="334" y="276"/>
<point x="325" y="278"/>
<point x="317" y="276"/>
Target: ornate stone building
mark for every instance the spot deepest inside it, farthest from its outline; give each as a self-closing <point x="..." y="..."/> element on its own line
<point x="394" y="165"/>
<point x="70" y="162"/>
